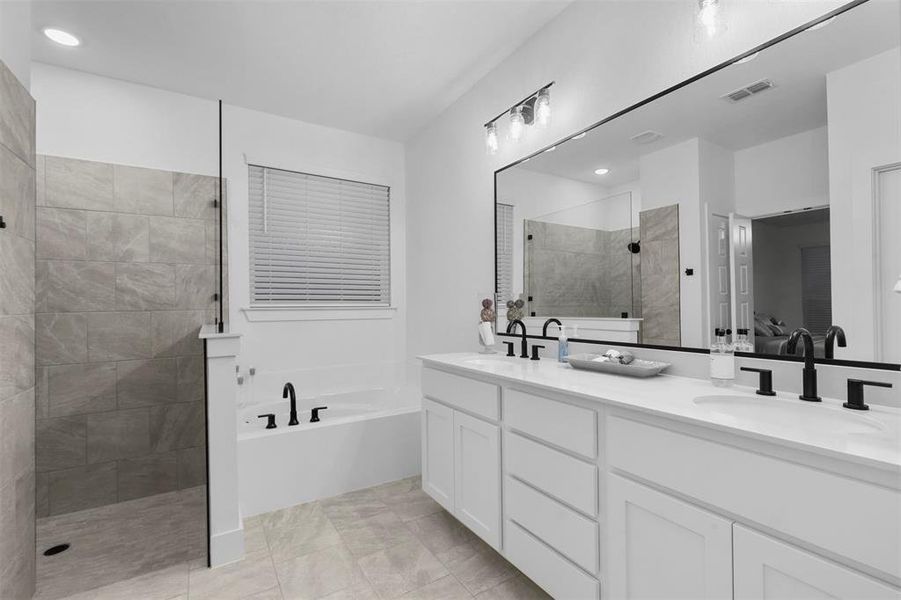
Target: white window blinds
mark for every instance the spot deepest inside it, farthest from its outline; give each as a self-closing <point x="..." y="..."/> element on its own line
<point x="318" y="240"/>
<point x="504" y="241"/>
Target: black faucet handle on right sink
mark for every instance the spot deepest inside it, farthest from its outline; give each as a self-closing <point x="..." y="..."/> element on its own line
<point x="765" y="382"/>
<point x="855" y="393"/>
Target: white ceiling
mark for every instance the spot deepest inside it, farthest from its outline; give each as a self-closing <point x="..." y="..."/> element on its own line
<point x="382" y="68"/>
<point x="797" y="66"/>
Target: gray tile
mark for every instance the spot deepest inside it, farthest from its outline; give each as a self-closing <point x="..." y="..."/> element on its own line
<point x="406" y="499"/>
<point x="190" y="379"/>
<point x="659" y="224"/>
<point x="73" y="286"/>
<point x="346" y="509"/>
<point x="16" y="275"/>
<point x="16" y="436"/>
<point x="518" y="588"/>
<point x="71" y="183"/>
<point x="82" y="487"/>
<point x="17" y="557"/>
<point x="164" y="584"/>
<point x="177" y="426"/>
<point x="39" y="171"/>
<point x="41" y="392"/>
<point x="42" y="495"/>
<point x="119" y="336"/>
<point x="195" y="286"/>
<point x="118" y="237"/>
<point x="17" y="194"/>
<point x="358" y="591"/>
<point x="192" y="468"/>
<point x="146" y="382"/>
<point x="254" y="574"/>
<point x="147" y="475"/>
<point x="80" y="389"/>
<point x="440" y="532"/>
<point x="118" y="434"/>
<point x="16" y="354"/>
<point x="446" y="588"/>
<point x="61" y="338"/>
<point x="399" y="569"/>
<point x="319" y="573"/>
<point x="175" y="332"/>
<point x="194" y="195"/>
<point x="142" y="191"/>
<point x="61" y="233"/>
<point x="375" y="533"/>
<point x="299" y="530"/>
<point x="145" y="286"/>
<point x="477" y="566"/>
<point x="60" y="443"/>
<point x="16" y="116"/>
<point x="177" y="240"/>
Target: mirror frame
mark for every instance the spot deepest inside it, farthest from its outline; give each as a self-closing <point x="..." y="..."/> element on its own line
<point x="797" y="30"/>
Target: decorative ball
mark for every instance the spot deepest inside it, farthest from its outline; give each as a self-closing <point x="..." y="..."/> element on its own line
<point x="487" y="314"/>
<point x="486" y="303"/>
<point x="510" y="304"/>
<point x="519" y="303"/>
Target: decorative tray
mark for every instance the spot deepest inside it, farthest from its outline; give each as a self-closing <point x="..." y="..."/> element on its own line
<point x="636" y="368"/>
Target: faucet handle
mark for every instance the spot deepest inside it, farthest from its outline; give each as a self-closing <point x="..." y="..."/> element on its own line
<point x="314" y="414"/>
<point x="535" y="348"/>
<point x="270" y="420"/>
<point x="855" y="393"/>
<point x="510" y="348"/>
<point x="765" y="381"/>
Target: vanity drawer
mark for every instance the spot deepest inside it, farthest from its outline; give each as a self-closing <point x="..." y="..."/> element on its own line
<point x="556" y="575"/>
<point x="569" y="479"/>
<point x="564" y="425"/>
<point x="568" y="532"/>
<point x="849" y="517"/>
<point x="469" y="395"/>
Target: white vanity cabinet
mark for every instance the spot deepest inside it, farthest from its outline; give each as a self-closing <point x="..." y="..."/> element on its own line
<point x="438" y="453"/>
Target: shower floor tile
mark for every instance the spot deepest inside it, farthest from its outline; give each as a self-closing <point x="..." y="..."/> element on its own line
<point x="313" y="551"/>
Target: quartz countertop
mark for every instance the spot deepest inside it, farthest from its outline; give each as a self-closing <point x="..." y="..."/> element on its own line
<point x="876" y="443"/>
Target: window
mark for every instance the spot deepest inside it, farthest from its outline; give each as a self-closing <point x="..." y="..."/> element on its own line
<point x="504" y="233"/>
<point x="318" y="241"/>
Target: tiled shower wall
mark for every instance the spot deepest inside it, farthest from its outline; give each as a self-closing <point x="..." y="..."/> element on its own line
<point x="660" y="277"/>
<point x="125" y="277"/>
<point x="17" y="189"/>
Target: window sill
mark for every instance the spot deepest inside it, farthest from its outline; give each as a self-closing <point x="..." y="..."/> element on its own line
<point x="271" y="314"/>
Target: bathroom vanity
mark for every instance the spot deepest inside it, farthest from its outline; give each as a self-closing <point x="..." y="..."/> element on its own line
<point x="602" y="486"/>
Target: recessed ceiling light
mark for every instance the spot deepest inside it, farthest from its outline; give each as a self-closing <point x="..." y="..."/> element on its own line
<point x="63" y="38"/>
<point x="601" y="171"/>
<point x="580" y="136"/>
<point x="551" y="149"/>
<point x="747" y="59"/>
<point x="821" y="24"/>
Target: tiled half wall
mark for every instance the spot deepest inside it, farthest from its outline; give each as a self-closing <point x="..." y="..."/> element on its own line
<point x="125" y="277"/>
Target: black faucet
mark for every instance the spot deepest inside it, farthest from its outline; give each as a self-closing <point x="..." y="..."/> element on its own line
<point x="810" y="371"/>
<point x="288" y="390"/>
<point x="832" y="333"/>
<point x="548" y="322"/>
<point x="525" y="342"/>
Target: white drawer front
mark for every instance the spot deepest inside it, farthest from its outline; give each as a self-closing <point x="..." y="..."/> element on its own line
<point x="545" y="567"/>
<point x="476" y="397"/>
<point x="851" y="518"/>
<point x="566" y="531"/>
<point x="564" y="425"/>
<point x="558" y="474"/>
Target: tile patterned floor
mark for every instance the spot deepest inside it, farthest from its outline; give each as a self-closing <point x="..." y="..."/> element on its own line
<point x="389" y="541"/>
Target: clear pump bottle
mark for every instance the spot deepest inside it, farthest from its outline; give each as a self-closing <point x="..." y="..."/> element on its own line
<point x="722" y="360"/>
<point x="742" y="343"/>
<point x="562" y="345"/>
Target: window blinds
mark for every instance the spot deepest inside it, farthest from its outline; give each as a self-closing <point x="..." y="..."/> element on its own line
<point x="504" y="237"/>
<point x="318" y="240"/>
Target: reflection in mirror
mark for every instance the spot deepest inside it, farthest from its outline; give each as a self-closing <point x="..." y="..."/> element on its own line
<point x="765" y="196"/>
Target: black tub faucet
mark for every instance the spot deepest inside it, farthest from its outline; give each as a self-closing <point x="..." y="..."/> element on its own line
<point x="548" y="322"/>
<point x="834" y="332"/>
<point x="525" y="341"/>
<point x="810" y="371"/>
<point x="288" y="390"/>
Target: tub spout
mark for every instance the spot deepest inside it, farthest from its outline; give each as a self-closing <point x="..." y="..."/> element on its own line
<point x="287" y="391"/>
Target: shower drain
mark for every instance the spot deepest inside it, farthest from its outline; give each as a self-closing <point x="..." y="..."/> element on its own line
<point x="56" y="549"/>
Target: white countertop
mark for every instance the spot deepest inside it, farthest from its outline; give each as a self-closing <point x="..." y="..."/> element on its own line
<point x="877" y="444"/>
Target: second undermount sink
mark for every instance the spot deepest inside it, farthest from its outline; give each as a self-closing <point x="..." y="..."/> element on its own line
<point x="488" y="361"/>
<point x="782" y="413"/>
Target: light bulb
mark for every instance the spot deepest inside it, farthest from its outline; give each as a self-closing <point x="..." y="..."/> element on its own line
<point x="601" y="171"/>
<point x="708" y="15"/>
<point x="517" y="123"/>
<point x="543" y="108"/>
<point x="63" y="38"/>
<point x="491" y="138"/>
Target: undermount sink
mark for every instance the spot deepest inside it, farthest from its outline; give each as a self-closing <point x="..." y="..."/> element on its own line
<point x="781" y="413"/>
<point x="488" y="361"/>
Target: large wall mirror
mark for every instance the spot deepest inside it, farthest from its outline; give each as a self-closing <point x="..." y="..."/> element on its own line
<point x="764" y="196"/>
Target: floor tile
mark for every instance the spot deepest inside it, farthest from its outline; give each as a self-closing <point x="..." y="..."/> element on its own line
<point x="274" y="593"/>
<point x="477" y="566"/>
<point x="400" y="569"/>
<point x="365" y="536"/>
<point x="360" y="591"/>
<point x="318" y="574"/>
<point x="299" y="530"/>
<point x="446" y="588"/>
<point x="254" y="574"/>
<point x="518" y="588"/>
<point x="158" y="585"/>
<point x="343" y="510"/>
<point x="440" y="532"/>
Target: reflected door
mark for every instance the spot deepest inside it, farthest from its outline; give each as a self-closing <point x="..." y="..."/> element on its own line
<point x="742" y="274"/>
<point x="888" y="313"/>
<point x="718" y="269"/>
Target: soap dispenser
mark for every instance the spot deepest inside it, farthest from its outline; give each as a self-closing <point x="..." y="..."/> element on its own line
<point x="722" y="360"/>
<point x="562" y="345"/>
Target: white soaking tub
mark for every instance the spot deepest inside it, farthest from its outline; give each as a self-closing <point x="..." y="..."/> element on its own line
<point x="369" y="434"/>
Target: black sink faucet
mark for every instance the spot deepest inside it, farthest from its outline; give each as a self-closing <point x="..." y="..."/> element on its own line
<point x="525" y="341"/>
<point x="810" y="371"/>
<point x="834" y="332"/>
<point x="288" y="390"/>
<point x="548" y="322"/>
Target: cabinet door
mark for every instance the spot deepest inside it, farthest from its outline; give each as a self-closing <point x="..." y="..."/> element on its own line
<point x="662" y="547"/>
<point x="477" y="469"/>
<point x="438" y="453"/>
<point x="771" y="569"/>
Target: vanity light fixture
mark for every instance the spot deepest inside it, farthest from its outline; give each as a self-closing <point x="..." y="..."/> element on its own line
<point x="601" y="171"/>
<point x="63" y="38"/>
<point x="534" y="108"/>
<point x="709" y="16"/>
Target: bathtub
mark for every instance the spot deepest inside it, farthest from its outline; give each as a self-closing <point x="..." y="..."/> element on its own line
<point x="369" y="434"/>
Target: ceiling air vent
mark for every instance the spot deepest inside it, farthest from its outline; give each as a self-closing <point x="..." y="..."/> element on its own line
<point x="646" y="137"/>
<point x="749" y="90"/>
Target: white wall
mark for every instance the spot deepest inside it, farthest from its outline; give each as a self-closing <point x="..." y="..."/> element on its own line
<point x="584" y="50"/>
<point x="15" y="38"/>
<point x="790" y="173"/>
<point x="97" y="118"/>
<point x="864" y="108"/>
